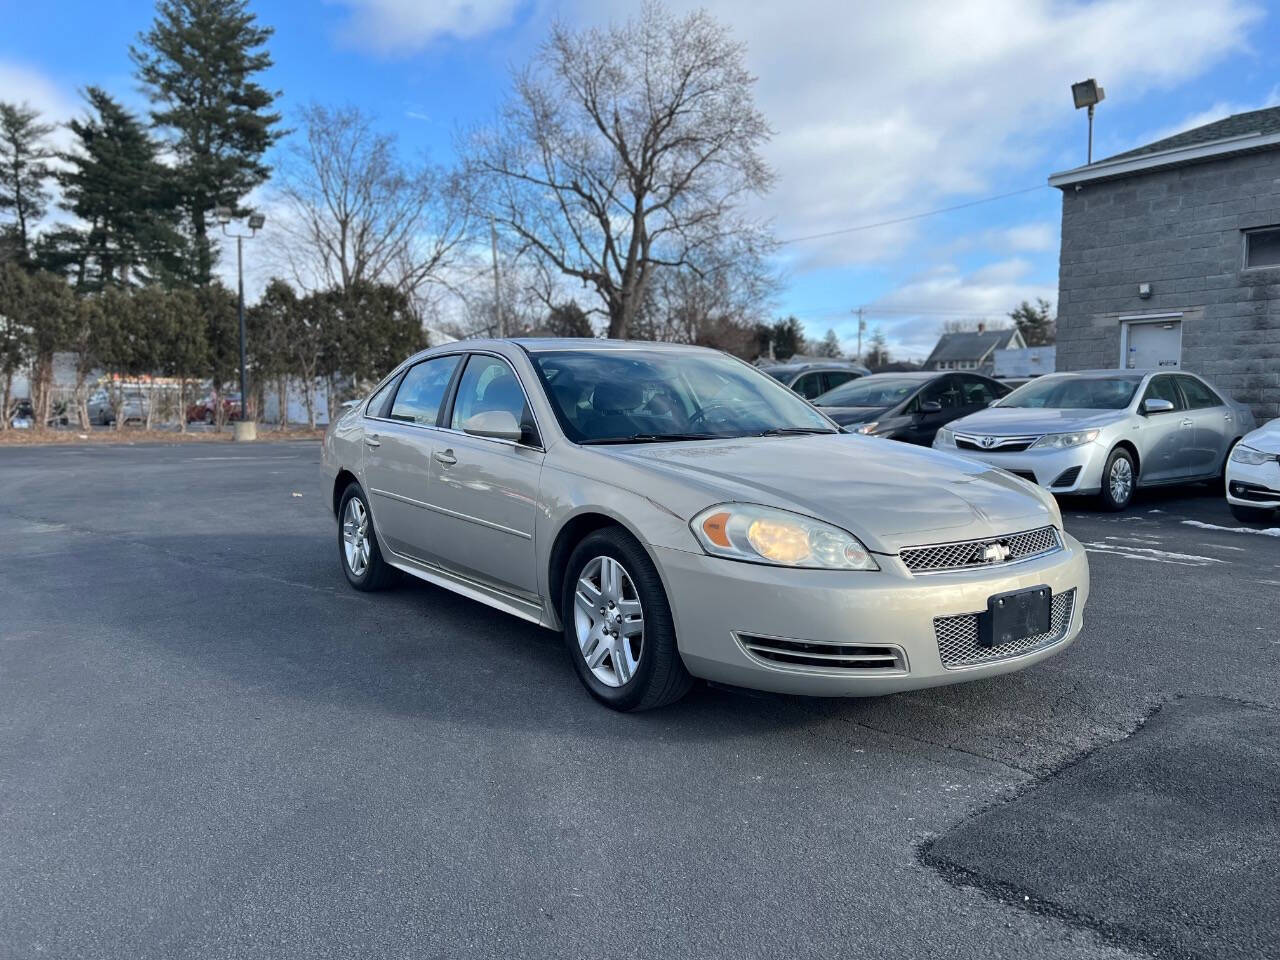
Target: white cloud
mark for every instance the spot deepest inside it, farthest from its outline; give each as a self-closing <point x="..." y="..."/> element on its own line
<point x="404" y="26"/>
<point x="20" y="83"/>
<point x="912" y="315"/>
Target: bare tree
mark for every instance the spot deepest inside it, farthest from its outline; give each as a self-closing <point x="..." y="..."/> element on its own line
<point x="357" y="215"/>
<point x="624" y="151"/>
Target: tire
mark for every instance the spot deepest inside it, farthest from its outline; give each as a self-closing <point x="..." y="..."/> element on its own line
<point x="376" y="573"/>
<point x="1252" y="514"/>
<point x="1116" y="494"/>
<point x="654" y="675"/>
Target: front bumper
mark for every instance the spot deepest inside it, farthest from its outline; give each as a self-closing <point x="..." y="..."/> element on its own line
<point x="1253" y="485"/>
<point x="1075" y="470"/>
<point x="720" y="605"/>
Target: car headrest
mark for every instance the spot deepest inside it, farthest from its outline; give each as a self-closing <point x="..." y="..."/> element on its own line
<point x="614" y="397"/>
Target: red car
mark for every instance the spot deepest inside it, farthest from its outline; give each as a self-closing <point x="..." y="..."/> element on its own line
<point x="203" y="410"/>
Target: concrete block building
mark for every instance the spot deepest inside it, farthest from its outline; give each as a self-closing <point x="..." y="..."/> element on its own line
<point x="1171" y="258"/>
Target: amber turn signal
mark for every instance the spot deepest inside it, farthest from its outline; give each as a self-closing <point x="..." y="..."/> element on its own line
<point x="716" y="529"/>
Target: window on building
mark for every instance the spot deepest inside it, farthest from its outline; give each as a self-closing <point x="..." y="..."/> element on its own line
<point x="1262" y="248"/>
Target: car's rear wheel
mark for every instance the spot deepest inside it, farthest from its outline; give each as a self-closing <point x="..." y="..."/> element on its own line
<point x="358" y="548"/>
<point x="1252" y="514"/>
<point x="1119" y="477"/>
<point x="618" y="626"/>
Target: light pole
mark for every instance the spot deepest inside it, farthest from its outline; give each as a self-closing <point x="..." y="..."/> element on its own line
<point x="1088" y="93"/>
<point x="255" y="223"/>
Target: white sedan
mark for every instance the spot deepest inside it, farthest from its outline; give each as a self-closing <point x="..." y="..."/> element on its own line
<point x="1253" y="475"/>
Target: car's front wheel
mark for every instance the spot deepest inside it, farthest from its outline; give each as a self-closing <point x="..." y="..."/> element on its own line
<point x="358" y="548"/>
<point x="1252" y="514"/>
<point x="1119" y="477"/>
<point x="618" y="626"/>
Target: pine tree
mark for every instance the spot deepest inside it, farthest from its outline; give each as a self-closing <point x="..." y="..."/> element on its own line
<point x="829" y="346"/>
<point x="198" y="63"/>
<point x="24" y="174"/>
<point x="1036" y="323"/>
<point x="878" y="351"/>
<point x="116" y="184"/>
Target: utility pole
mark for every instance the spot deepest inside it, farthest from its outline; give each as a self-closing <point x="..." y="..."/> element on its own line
<point x="862" y="325"/>
<point x="497" y="295"/>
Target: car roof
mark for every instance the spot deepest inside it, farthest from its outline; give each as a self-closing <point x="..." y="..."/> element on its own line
<point x="584" y="344"/>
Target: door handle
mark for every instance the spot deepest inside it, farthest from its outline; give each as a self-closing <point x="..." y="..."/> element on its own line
<point x="1187" y="422"/>
<point x="372" y="440"/>
<point x="446" y="457"/>
<point x="1227" y="418"/>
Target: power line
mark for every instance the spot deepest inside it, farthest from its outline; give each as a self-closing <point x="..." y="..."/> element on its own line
<point x="914" y="216"/>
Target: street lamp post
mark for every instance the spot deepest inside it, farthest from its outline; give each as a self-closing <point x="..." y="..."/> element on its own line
<point x="1088" y="93"/>
<point x="255" y="223"/>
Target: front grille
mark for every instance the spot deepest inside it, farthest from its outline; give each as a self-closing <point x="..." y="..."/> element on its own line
<point x="958" y="636"/>
<point x="968" y="554"/>
<point x="989" y="444"/>
<point x="809" y="655"/>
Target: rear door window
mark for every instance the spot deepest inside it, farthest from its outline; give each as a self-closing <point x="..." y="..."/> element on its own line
<point x="1198" y="395"/>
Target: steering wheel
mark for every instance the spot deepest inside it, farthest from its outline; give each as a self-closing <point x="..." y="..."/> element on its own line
<point x="701" y="413"/>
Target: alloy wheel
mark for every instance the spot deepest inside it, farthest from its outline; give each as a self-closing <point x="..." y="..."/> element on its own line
<point x="1121" y="480"/>
<point x="355" y="536"/>
<point x="609" y="621"/>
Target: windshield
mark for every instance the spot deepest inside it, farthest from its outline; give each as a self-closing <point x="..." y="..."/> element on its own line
<point x="868" y="392"/>
<point x="1074" y="393"/>
<point x="641" y="395"/>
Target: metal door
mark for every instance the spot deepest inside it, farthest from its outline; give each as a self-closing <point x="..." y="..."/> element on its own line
<point x="1154" y="346"/>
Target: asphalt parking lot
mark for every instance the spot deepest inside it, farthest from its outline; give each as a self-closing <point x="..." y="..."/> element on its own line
<point x="210" y="746"/>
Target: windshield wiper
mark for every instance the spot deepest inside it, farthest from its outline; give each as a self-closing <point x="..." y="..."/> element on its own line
<point x="794" y="431"/>
<point x="654" y="438"/>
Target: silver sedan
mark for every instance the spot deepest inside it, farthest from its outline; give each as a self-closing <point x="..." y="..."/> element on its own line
<point x="675" y="513"/>
<point x="1105" y="432"/>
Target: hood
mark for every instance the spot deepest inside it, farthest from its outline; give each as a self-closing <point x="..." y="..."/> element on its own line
<point x="1266" y="438"/>
<point x="1008" y="421"/>
<point x="888" y="494"/>
<point x="845" y="415"/>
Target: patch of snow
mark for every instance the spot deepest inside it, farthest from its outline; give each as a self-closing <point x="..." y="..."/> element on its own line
<point x="1263" y="532"/>
<point x="1148" y="553"/>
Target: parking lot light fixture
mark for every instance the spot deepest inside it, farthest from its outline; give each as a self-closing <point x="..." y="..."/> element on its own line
<point x="1088" y="93"/>
<point x="255" y="222"/>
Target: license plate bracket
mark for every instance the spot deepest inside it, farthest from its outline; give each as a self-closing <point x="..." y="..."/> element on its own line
<point x="1015" y="616"/>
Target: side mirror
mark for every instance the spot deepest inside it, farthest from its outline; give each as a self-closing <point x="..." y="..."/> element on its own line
<point x="1156" y="405"/>
<point x="494" y="424"/>
<point x="930" y="406"/>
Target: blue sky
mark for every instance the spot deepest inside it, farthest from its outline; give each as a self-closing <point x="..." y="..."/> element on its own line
<point x="880" y="111"/>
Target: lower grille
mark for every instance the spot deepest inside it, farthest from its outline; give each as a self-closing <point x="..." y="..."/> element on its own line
<point x="958" y="636"/>
<point x="1249" y="491"/>
<point x="1067" y="477"/>
<point x="809" y="655"/>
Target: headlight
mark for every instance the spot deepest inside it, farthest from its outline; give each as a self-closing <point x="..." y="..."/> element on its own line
<point x="745" y="531"/>
<point x="945" y="438"/>
<point x="1243" y="454"/>
<point x="1058" y="441"/>
<point x="866" y="427"/>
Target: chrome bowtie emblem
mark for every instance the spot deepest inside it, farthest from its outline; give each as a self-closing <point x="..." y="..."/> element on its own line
<point x="988" y="442"/>
<point x="995" y="553"/>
